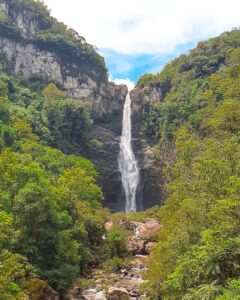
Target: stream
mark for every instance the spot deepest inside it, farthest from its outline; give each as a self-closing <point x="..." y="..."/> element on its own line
<point x="128" y="279"/>
<point x="125" y="284"/>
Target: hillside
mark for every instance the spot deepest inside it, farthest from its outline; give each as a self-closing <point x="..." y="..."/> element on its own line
<point x="190" y="116"/>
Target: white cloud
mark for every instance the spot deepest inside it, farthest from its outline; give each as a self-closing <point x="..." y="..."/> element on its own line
<point x="146" y="26"/>
<point x="126" y="81"/>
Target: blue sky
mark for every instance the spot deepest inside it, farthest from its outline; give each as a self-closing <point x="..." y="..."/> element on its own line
<point x="130" y="66"/>
<point x="141" y="36"/>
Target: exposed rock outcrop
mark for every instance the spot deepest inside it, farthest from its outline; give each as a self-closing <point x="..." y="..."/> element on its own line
<point x="143" y="241"/>
<point x="26" y="54"/>
<point x="105" y="158"/>
<point x="150" y="190"/>
<point x="142" y="96"/>
<point x="105" y="99"/>
<point x="117" y="294"/>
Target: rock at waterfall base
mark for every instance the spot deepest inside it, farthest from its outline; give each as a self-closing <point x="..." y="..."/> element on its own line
<point x="117" y="294"/>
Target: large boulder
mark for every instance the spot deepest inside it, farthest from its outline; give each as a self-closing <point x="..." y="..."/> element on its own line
<point x="145" y="236"/>
<point x="135" y="245"/>
<point x="39" y="290"/>
<point x="147" y="230"/>
<point x="117" y="294"/>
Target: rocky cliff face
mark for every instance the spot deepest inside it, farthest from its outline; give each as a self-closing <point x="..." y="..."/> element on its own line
<point x="105" y="98"/>
<point x="25" y="55"/>
<point x="150" y="191"/>
<point x="142" y="96"/>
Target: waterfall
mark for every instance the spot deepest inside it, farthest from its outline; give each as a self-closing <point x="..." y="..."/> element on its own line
<point x="128" y="165"/>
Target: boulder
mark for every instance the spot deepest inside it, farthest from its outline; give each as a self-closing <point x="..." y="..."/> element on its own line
<point x="135" y="245"/>
<point x="149" y="230"/>
<point x="117" y="294"/>
<point x="149" y="247"/>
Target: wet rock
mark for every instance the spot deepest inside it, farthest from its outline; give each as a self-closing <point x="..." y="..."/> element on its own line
<point x="124" y="271"/>
<point x="144" y="233"/>
<point x="117" y="294"/>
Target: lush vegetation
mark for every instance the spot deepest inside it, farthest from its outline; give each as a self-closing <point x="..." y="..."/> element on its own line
<point x="197" y="256"/>
<point x="191" y="86"/>
<point x="51" y="220"/>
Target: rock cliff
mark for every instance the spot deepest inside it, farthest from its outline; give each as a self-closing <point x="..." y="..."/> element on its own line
<point x="150" y="190"/>
<point x="26" y="50"/>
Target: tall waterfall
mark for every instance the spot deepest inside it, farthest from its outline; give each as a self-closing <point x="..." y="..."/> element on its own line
<point x="128" y="165"/>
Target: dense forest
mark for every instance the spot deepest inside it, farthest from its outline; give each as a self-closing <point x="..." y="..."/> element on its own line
<point x="197" y="256"/>
<point x="51" y="216"/>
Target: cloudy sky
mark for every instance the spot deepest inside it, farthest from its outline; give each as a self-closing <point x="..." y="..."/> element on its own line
<point x="139" y="36"/>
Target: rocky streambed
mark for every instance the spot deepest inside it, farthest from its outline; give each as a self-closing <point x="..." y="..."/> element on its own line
<point x="124" y="284"/>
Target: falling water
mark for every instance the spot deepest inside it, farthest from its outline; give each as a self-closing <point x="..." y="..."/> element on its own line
<point x="128" y="165"/>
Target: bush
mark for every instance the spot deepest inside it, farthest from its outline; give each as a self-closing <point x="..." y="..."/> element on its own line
<point x="116" y="242"/>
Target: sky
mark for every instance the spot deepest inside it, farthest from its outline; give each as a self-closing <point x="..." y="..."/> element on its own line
<point x="141" y="36"/>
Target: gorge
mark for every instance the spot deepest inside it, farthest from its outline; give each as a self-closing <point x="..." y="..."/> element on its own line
<point x="115" y="193"/>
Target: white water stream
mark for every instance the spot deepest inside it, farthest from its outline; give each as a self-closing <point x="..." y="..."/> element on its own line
<point x="128" y="165"/>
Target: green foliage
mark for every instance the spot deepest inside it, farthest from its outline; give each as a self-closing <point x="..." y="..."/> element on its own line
<point x="197" y="256"/>
<point x="51" y="220"/>
<point x="231" y="291"/>
<point x="191" y="87"/>
<point x="68" y="120"/>
<point x="116" y="243"/>
<point x="115" y="264"/>
<point x="139" y="216"/>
